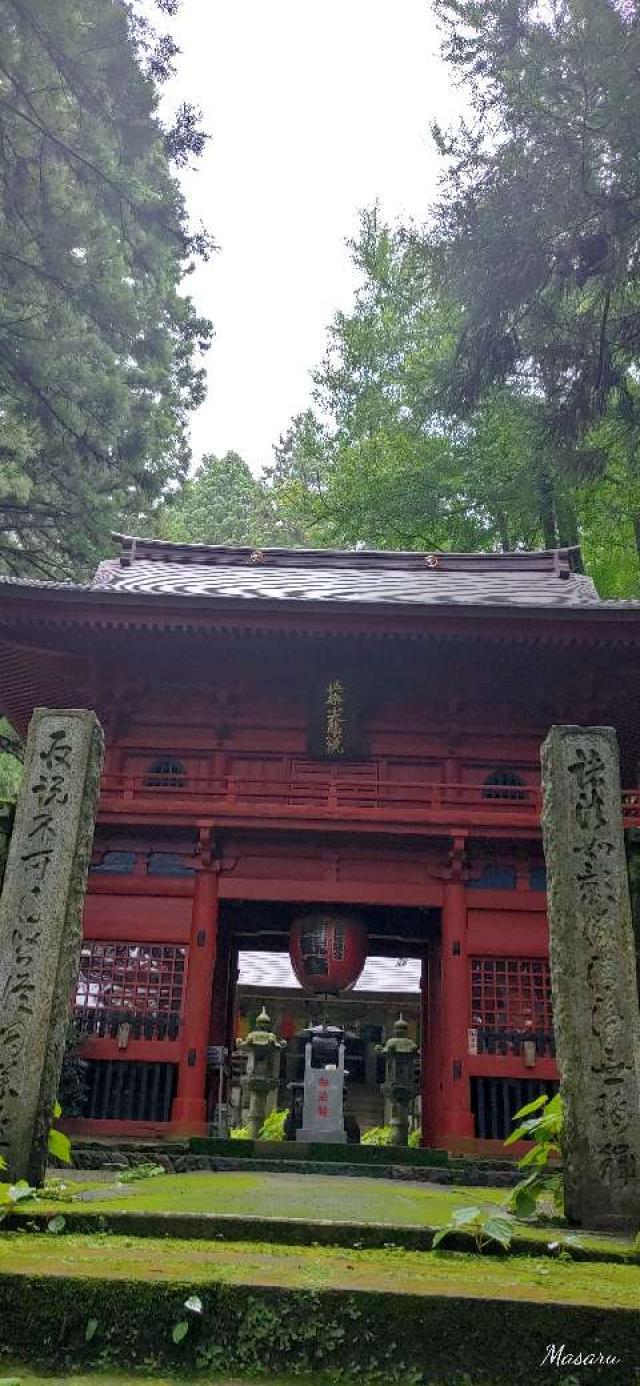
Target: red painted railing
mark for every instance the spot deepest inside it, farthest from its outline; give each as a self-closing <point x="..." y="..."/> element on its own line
<point x="365" y="796"/>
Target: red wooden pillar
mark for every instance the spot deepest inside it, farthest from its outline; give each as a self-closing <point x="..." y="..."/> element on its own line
<point x="220" y="999"/>
<point x="189" y="1115"/>
<point x="454" y="1116"/>
<point x="430" y="1044"/>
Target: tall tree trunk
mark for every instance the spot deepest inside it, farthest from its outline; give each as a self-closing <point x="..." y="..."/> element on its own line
<point x="503" y="530"/>
<point x="546" y="506"/>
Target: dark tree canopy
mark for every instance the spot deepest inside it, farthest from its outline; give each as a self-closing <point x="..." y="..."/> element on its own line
<point x="98" y="349"/>
<point x="223" y="503"/>
<point x="539" y="219"/>
<point x="377" y="461"/>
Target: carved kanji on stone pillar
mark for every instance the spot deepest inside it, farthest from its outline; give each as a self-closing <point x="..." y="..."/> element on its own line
<point x="41" y="925"/>
<point x="595" y="1001"/>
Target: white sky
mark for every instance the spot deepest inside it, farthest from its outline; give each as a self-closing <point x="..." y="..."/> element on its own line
<point x="315" y="108"/>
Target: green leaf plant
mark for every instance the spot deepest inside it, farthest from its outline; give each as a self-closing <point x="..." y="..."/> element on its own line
<point x="486" y="1226"/>
<point x="58" y="1144"/>
<point x="540" y="1121"/>
<point x="10" y="1194"/>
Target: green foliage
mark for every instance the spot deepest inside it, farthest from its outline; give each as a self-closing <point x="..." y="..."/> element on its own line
<point x="375" y="1335"/>
<point x="488" y="1226"/>
<point x="544" y="264"/>
<point x="414" y="1138"/>
<point x="11" y="754"/>
<point x="222" y="503"/>
<point x="58" y="1145"/>
<point x="55" y="1191"/>
<point x="495" y="1223"/>
<point x="376" y="1135"/>
<point x="546" y="1132"/>
<point x="148" y="1170"/>
<point x="377" y="461"/>
<point x="323" y="1152"/>
<point x="272" y="1128"/>
<point x="536" y="236"/>
<point x="11" y="1194"/>
<point x="98" y="346"/>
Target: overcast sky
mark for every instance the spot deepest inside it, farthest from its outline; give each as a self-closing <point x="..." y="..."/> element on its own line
<point x="315" y="108"/>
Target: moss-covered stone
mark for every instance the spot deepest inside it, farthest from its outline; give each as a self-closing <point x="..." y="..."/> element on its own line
<point x="300" y="1310"/>
<point x="301" y="1211"/>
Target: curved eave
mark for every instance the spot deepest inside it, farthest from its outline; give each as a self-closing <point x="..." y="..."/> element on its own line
<point x="32" y="607"/>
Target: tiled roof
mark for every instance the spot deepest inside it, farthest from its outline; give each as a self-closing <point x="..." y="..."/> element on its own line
<point x="379" y="974"/>
<point x="545" y="579"/>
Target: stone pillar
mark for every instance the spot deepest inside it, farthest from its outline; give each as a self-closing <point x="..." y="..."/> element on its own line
<point x="595" y="1001"/>
<point x="189" y="1112"/>
<point x="41" y="925"/>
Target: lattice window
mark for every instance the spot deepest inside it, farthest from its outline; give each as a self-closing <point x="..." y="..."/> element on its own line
<point x="167" y="773"/>
<point x="142" y="978"/>
<point x="503" y="784"/>
<point x="511" y="994"/>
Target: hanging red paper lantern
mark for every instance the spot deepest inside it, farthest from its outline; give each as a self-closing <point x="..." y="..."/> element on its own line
<point x="328" y="950"/>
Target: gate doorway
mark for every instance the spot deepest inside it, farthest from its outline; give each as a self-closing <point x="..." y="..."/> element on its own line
<point x="253" y="970"/>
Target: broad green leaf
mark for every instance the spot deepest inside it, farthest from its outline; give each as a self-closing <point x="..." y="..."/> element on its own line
<point x="90" y="1330"/>
<point x="57" y="1111"/>
<point x="57" y="1224"/>
<point x="59" y="1146"/>
<point x="520" y="1134"/>
<point x="21" y="1190"/>
<point x="462" y="1216"/>
<point x="180" y="1331"/>
<point x="535" y="1156"/>
<point x="530" y="1107"/>
<point x="194" y="1304"/>
<point x="439" y="1236"/>
<point x="523" y="1202"/>
<point x="499" y="1230"/>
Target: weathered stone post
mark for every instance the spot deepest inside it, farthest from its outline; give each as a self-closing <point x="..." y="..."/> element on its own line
<point x="262" y="1077"/>
<point x="400" y="1085"/>
<point x="41" y="925"/>
<point x="595" y="1000"/>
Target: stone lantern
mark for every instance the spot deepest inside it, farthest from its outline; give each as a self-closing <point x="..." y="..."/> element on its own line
<point x="400" y="1079"/>
<point x="262" y="1076"/>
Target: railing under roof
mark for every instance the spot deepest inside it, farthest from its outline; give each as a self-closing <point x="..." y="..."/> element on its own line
<point x="366" y="797"/>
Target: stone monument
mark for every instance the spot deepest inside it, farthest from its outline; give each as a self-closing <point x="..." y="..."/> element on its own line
<point x="323" y="1102"/>
<point x="595" y="1000"/>
<point x="400" y="1085"/>
<point x="41" y="925"/>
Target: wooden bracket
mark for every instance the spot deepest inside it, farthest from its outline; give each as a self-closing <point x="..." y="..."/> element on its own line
<point x="458" y="857"/>
<point x="207" y="850"/>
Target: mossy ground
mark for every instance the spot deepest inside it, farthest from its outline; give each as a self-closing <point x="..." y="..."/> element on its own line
<point x="195" y="1263"/>
<point x="290" y="1195"/>
<point x="385" y="1203"/>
